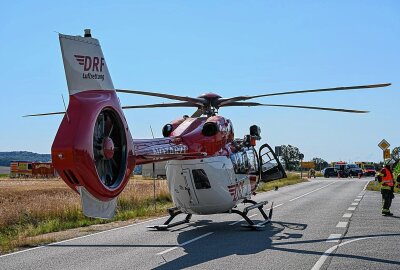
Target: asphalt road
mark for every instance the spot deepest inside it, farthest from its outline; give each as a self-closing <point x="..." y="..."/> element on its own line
<point x="322" y="224"/>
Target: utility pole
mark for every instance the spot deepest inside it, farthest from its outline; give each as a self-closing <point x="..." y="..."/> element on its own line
<point x="154" y="177"/>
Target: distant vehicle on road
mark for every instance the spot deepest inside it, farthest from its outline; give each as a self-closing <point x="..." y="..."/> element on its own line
<point x="367" y="167"/>
<point x="329" y="172"/>
<point x="353" y="170"/>
<point x="341" y="169"/>
<point x="369" y="170"/>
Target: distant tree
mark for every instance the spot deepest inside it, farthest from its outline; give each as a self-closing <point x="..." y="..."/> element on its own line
<point x="290" y="157"/>
<point x="7" y="157"/>
<point x="320" y="163"/>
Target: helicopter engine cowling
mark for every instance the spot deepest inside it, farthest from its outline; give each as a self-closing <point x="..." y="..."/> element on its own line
<point x="93" y="149"/>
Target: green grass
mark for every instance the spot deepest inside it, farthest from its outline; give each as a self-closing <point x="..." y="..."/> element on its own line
<point x="18" y="235"/>
<point x="290" y="180"/>
<point x="376" y="186"/>
<point x="4" y="175"/>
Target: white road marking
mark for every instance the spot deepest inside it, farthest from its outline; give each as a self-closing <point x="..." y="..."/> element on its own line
<point x="334" y="238"/>
<point x="233" y="223"/>
<point x="365" y="187"/>
<point x="80" y="237"/>
<point x="312" y="191"/>
<point x="185" y="243"/>
<point x="342" y="224"/>
<point x="354" y="203"/>
<point x="327" y="253"/>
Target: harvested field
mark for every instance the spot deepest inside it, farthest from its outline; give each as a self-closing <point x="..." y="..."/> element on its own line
<point x="33" y="207"/>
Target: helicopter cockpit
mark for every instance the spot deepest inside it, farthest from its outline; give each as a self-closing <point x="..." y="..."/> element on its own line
<point x="245" y="161"/>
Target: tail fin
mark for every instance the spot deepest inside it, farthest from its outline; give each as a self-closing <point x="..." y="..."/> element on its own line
<point x="93" y="150"/>
<point x="84" y="64"/>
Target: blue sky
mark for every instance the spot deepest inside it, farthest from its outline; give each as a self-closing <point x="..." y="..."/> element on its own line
<point x="228" y="47"/>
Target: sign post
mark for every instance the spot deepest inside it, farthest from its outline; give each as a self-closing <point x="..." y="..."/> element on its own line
<point x="384" y="145"/>
<point x="278" y="151"/>
<point x="301" y="156"/>
<point x="386" y="154"/>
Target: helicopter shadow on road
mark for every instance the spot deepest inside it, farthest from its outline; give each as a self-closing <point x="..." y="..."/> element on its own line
<point x="227" y="241"/>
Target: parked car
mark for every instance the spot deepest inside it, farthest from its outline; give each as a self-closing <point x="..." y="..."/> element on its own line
<point x="329" y="172"/>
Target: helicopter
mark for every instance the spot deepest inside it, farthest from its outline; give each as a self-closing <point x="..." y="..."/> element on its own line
<point x="208" y="170"/>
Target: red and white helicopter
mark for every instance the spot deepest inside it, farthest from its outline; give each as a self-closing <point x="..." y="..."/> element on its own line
<point x="208" y="170"/>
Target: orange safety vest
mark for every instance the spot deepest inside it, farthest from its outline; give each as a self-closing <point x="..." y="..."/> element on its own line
<point x="388" y="179"/>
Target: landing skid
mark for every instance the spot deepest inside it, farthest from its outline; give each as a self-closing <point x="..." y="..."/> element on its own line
<point x="173" y="212"/>
<point x="250" y="224"/>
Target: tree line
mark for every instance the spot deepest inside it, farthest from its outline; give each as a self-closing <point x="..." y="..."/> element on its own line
<point x="291" y="157"/>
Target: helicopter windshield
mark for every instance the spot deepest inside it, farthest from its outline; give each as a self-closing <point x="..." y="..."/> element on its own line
<point x="245" y="162"/>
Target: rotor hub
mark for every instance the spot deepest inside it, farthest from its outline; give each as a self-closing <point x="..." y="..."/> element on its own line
<point x="108" y="148"/>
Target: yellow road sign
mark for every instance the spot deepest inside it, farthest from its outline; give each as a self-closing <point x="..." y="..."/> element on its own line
<point x="384" y="144"/>
<point x="386" y="153"/>
<point x="308" y="165"/>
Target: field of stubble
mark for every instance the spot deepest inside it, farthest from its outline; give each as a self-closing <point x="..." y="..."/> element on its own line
<point x="29" y="208"/>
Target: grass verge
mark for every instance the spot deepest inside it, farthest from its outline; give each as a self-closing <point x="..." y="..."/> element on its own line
<point x="290" y="180"/>
<point x="375" y="186"/>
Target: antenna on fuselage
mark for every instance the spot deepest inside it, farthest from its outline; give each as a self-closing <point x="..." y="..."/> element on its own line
<point x="65" y="107"/>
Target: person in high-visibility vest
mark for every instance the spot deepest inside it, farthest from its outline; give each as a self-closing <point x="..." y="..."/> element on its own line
<point x="385" y="177"/>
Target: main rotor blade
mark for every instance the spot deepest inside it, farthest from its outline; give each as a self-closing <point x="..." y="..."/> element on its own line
<point x="197" y="101"/>
<point x="43" y="114"/>
<point x="161" y="105"/>
<point x="223" y="102"/>
<point x="250" y="104"/>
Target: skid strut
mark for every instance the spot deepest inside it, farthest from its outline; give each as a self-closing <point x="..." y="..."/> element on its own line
<point x="250" y="224"/>
<point x="173" y="212"/>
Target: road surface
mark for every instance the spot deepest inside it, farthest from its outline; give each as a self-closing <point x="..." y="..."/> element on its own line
<point x="321" y="224"/>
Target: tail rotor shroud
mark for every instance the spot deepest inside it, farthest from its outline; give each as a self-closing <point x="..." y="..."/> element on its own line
<point x="94" y="150"/>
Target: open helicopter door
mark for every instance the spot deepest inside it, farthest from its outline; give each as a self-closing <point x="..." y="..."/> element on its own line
<point x="270" y="167"/>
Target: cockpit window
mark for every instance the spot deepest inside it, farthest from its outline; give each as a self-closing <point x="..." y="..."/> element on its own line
<point x="245" y="162"/>
<point x="200" y="179"/>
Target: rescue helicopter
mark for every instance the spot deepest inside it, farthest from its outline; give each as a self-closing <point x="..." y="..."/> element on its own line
<point x="208" y="170"/>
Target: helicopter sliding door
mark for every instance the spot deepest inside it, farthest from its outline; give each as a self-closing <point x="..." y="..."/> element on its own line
<point x="188" y="186"/>
<point x="270" y="167"/>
